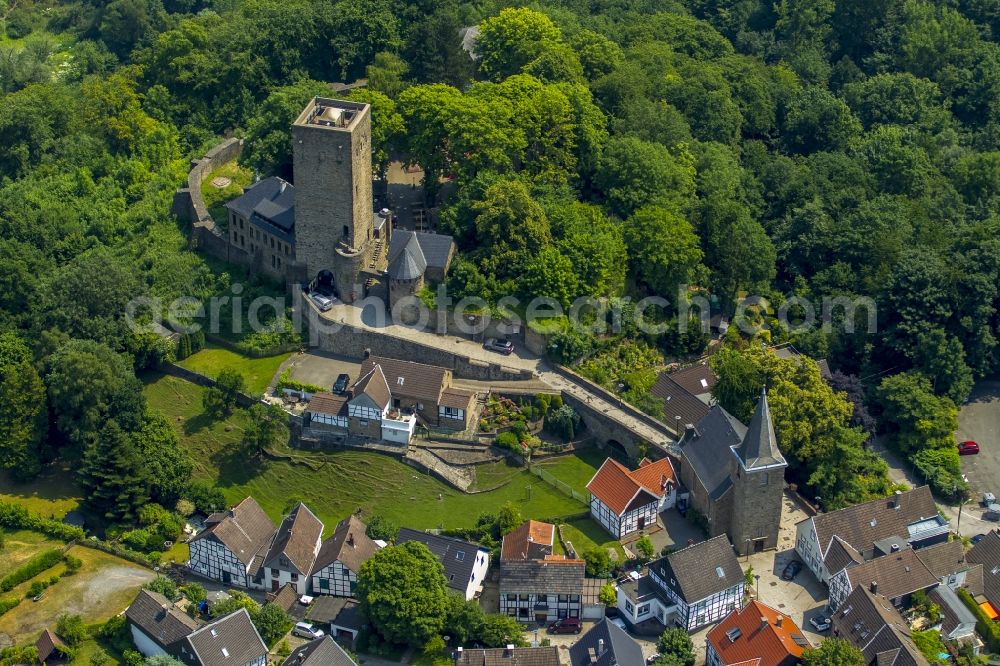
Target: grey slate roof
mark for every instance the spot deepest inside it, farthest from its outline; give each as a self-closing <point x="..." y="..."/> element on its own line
<point x="759" y="447"/>
<point x="539" y="656"/>
<point x="550" y="576"/>
<point x="229" y="641"/>
<point x="618" y="648"/>
<point x="701" y="570"/>
<point x="159" y="618"/>
<point x="953" y="611"/>
<point x="458" y="557"/>
<point x="319" y="652"/>
<point x="697" y="379"/>
<point x="709" y="445"/>
<point x="436" y="248"/>
<point x="841" y="555"/>
<point x="270" y="205"/>
<point x="987" y="553"/>
<point x="871" y="624"/>
<point x="897" y="574"/>
<point x="678" y="402"/>
<point x="409" y="263"/>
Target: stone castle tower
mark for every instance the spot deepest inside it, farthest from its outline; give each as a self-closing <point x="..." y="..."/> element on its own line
<point x="758" y="485"/>
<point x="334" y="215"/>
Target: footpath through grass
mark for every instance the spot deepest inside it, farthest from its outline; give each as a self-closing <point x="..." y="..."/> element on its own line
<point x="336" y="484"/>
<point x="257" y="372"/>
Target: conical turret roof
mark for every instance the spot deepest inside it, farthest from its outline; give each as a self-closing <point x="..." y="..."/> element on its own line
<point x="759" y="447"/>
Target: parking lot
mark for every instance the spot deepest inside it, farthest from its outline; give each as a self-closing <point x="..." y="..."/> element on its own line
<point x="979" y="420"/>
<point x="321" y="368"/>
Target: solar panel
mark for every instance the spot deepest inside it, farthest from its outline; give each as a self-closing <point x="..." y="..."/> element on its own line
<point x="800" y="640"/>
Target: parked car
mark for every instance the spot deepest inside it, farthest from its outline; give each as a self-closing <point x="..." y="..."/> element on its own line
<point x="569" y="625"/>
<point x="324" y="303"/>
<point x="791" y="570"/>
<point x="306" y="630"/>
<point x="820" y="622"/>
<point x="339" y="386"/>
<point x="620" y="623"/>
<point x="968" y="448"/>
<point x="989" y="498"/>
<point x="651" y="659"/>
<point x="976" y="539"/>
<point x="499" y="345"/>
<point x="992" y="512"/>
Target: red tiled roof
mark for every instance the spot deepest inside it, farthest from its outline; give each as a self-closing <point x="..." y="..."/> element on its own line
<point x="615" y="485"/>
<point x="528" y="541"/>
<point x="770" y="644"/>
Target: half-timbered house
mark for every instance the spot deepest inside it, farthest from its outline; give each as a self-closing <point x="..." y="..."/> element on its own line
<point x="335" y="571"/>
<point x="232" y="547"/>
<point x="625" y="501"/>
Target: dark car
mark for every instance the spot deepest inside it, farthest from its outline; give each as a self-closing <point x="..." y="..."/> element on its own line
<point x="976" y="539"/>
<point x="569" y="625"/>
<point x="500" y="345"/>
<point x="340" y="385"/>
<point x="791" y="570"/>
<point x="967" y="448"/>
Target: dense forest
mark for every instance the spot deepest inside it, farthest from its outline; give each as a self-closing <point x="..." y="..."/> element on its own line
<point x="608" y="148"/>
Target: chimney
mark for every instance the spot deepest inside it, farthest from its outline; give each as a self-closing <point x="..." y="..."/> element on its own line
<point x="350" y="539"/>
<point x="458" y="654"/>
<point x="894" y="548"/>
<point x="780" y="619"/>
<point x="283" y="186"/>
<point x="600" y="647"/>
<point x="367" y="353"/>
<point x="508" y="651"/>
<point x="896" y="499"/>
<point x="763" y="622"/>
<point x="689" y="430"/>
<point x="874" y="587"/>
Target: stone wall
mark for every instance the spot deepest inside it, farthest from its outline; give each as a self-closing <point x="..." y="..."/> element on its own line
<point x="242" y="399"/>
<point x="189" y="205"/>
<point x="353" y="342"/>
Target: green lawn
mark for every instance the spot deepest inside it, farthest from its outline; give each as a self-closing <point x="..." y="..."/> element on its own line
<point x="21" y="546"/>
<point x="492" y="475"/>
<point x="216" y="198"/>
<point x="585" y="533"/>
<point x="52" y="494"/>
<point x="335" y="484"/>
<point x="576" y="469"/>
<point x="257" y="372"/>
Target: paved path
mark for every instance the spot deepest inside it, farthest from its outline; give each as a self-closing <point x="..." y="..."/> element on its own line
<point x="521" y="359"/>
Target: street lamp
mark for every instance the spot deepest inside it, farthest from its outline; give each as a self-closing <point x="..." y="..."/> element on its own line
<point x="621" y="387"/>
<point x="818" y="498"/>
<point x="757" y="579"/>
<point x="747" y="551"/>
<point x="961" y="503"/>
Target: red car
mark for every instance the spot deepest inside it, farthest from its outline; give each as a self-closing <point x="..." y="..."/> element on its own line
<point x="569" y="625"/>
<point x="967" y="448"/>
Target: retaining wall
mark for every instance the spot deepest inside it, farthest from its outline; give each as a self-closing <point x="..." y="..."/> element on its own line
<point x="242" y="399"/>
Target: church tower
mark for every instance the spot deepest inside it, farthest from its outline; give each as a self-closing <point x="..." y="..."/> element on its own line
<point x="334" y="215"/>
<point x="758" y="485"/>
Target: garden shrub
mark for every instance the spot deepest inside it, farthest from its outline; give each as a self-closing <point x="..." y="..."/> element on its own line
<point x="8" y="603"/>
<point x="71" y="629"/>
<point x="30" y="569"/>
<point x="16" y="517"/>
<point x="987" y="628"/>
<point x="508" y="440"/>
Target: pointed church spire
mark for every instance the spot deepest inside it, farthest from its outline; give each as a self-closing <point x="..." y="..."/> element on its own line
<point x="759" y="447"/>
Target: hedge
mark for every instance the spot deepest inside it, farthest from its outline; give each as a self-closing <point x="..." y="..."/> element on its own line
<point x="31" y="568"/>
<point x="16" y="517"/>
<point x="285" y="381"/>
<point x="8" y="604"/>
<point x="986" y="627"/>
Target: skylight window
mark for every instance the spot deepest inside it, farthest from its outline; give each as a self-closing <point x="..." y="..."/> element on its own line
<point x="225" y="652"/>
<point x="460" y="556"/>
<point x="719" y="572"/>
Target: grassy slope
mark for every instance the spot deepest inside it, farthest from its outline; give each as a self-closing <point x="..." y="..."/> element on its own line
<point x="21" y="546"/>
<point x="257" y="372"/>
<point x="335" y="484"/>
<point x="577" y="469"/>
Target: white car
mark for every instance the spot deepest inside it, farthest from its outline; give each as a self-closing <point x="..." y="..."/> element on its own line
<point x="820" y="622"/>
<point x="620" y="623"/>
<point x="306" y="630"/>
<point x="324" y="303"/>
